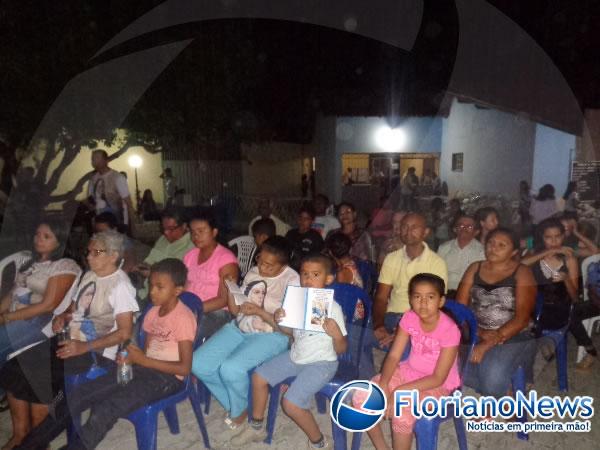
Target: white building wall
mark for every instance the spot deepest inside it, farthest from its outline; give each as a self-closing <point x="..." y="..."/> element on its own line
<point x="497" y="147"/>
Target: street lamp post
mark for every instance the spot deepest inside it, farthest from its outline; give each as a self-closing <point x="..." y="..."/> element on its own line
<point x="136" y="161"/>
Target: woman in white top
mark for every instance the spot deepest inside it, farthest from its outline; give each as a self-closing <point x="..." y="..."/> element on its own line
<point x="40" y="287"/>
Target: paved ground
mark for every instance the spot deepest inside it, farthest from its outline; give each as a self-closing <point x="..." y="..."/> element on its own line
<point x="288" y="436"/>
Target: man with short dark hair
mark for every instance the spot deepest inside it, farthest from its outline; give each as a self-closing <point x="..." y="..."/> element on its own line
<point x="175" y="242"/>
<point x="108" y="190"/>
<point x="265" y="211"/>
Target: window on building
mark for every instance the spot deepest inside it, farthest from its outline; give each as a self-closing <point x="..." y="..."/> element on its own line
<point x="457" y="162"/>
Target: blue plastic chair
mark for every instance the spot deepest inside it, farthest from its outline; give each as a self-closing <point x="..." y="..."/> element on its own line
<point x="559" y="337"/>
<point x="368" y="273"/>
<point x="347" y="296"/>
<point x="145" y="419"/>
<point x="426" y="430"/>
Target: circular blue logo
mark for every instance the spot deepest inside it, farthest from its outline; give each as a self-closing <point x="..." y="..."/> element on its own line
<point x="346" y="416"/>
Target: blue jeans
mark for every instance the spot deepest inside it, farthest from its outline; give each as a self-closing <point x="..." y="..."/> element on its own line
<point x="21" y="333"/>
<point x="492" y="376"/>
<point x="223" y="362"/>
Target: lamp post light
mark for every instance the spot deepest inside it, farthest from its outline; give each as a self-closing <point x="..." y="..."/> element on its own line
<point x="136" y="161"/>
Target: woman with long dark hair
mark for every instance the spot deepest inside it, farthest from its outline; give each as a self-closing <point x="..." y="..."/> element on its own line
<point x="39" y="290"/>
<point x="543" y="205"/>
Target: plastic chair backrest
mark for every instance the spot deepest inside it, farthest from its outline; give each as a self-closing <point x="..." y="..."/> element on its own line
<point x="190" y="300"/>
<point x="18" y="259"/>
<point x="245" y="248"/>
<point x="584" y="272"/>
<point x="366" y="269"/>
<point x="348" y="296"/>
<point x="464" y="316"/>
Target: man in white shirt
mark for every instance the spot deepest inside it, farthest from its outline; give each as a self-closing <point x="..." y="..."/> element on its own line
<point x="323" y="222"/>
<point x="461" y="252"/>
<point x="108" y="190"/>
<point x="265" y="209"/>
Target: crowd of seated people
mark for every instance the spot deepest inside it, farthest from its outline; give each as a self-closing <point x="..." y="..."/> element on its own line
<point x="473" y="259"/>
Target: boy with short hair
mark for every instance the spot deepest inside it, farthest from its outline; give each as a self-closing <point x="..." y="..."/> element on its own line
<point x="312" y="359"/>
<point x="170" y="328"/>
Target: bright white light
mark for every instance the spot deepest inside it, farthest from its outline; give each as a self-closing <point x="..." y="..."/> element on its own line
<point x="135" y="161"/>
<point x="390" y="139"/>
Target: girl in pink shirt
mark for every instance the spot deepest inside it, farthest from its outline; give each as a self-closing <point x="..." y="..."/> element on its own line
<point x="431" y="366"/>
<point x="208" y="265"/>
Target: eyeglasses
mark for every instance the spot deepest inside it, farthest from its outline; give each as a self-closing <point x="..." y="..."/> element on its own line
<point x="95" y="252"/>
<point x="465" y="227"/>
<point x="170" y="229"/>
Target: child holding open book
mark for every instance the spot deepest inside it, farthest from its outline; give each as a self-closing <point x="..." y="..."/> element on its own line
<point x="312" y="359"/>
<point x="223" y="362"/>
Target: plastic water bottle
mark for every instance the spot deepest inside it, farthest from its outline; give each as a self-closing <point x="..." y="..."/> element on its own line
<point x="124" y="369"/>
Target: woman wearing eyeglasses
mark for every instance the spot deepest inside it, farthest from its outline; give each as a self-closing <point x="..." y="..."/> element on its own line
<point x="461" y="252"/>
<point x="105" y="301"/>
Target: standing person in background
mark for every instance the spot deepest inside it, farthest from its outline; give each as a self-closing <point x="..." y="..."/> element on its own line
<point x="304" y="185"/>
<point x="571" y="198"/>
<point x="409" y="186"/>
<point x="524" y="204"/>
<point x="265" y="211"/>
<point x="323" y="222"/>
<point x="170" y="187"/>
<point x="486" y="221"/>
<point x="543" y="205"/>
<point x="108" y="190"/>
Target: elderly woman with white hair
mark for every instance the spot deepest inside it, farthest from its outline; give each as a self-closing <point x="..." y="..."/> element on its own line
<point x="99" y="318"/>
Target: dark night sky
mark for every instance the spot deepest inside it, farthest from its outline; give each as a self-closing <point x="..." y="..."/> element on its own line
<point x="268" y="80"/>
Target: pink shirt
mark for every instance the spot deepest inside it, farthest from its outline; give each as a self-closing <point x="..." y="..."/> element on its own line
<point x="165" y="333"/>
<point x="203" y="279"/>
<point x="426" y="346"/>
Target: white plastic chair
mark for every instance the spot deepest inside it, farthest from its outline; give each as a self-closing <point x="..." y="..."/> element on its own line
<point x="245" y="248"/>
<point x="19" y="259"/>
<point x="587" y="323"/>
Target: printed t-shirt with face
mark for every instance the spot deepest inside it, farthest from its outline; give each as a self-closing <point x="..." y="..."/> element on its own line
<point x="98" y="301"/>
<point x="108" y="190"/>
<point x="325" y="224"/>
<point x="204" y="279"/>
<point x="165" y="333"/>
<point x="313" y="346"/>
<point x="273" y="298"/>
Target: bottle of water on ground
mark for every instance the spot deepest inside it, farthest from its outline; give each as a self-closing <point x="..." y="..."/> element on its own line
<point x="124" y="369"/>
